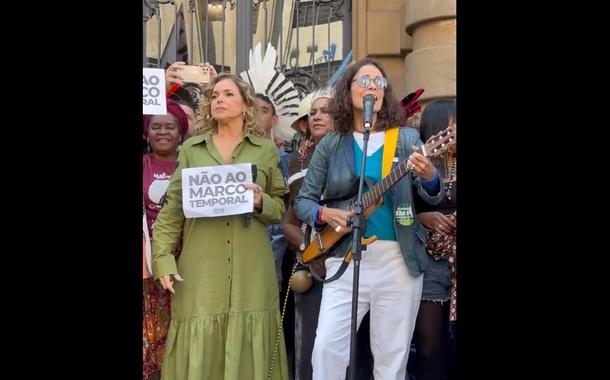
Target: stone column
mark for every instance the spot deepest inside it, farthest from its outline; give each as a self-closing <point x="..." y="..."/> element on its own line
<point x="431" y="64"/>
<point x="378" y="32"/>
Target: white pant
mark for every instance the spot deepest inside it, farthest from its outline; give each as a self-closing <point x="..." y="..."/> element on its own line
<point x="392" y="295"/>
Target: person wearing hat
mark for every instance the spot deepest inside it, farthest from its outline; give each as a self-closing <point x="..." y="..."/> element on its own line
<point x="302" y="133"/>
<point x="163" y="134"/>
<point x="300" y="124"/>
<point x="268" y="118"/>
<point x="183" y="97"/>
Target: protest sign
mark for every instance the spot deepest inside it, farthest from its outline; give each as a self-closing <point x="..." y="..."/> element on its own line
<point x="153" y="95"/>
<point x="217" y="190"/>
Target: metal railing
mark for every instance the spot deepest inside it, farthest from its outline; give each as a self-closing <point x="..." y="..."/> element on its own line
<point x="309" y="52"/>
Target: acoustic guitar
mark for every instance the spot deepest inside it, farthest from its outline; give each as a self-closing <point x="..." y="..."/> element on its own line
<point x="373" y="198"/>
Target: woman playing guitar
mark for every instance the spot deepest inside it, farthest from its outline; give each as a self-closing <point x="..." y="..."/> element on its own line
<point x="391" y="266"/>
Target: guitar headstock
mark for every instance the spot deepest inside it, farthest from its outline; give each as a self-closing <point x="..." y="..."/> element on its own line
<point x="440" y="142"/>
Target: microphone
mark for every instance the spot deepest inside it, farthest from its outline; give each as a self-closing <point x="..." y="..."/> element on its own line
<point x="248" y="216"/>
<point x="368" y="102"/>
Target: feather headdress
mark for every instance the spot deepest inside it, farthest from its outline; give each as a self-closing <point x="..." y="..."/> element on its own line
<point x="325" y="92"/>
<point x="266" y="79"/>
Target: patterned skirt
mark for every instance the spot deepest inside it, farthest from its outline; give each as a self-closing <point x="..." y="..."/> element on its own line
<point x="156" y="317"/>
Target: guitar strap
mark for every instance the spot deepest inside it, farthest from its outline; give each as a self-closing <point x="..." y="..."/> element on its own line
<point x="389" y="150"/>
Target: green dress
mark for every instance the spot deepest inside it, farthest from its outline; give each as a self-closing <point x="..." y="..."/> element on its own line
<point x="225" y="314"/>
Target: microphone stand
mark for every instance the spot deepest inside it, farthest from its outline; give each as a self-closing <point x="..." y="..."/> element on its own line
<point x="356" y="254"/>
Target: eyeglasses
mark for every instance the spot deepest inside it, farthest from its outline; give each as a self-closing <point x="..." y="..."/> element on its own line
<point x="365" y="81"/>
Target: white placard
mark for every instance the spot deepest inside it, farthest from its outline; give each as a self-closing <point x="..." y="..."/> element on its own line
<point x="217" y="190"/>
<point x="153" y="95"/>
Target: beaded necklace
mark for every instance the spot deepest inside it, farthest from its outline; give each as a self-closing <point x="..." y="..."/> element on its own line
<point x="448" y="193"/>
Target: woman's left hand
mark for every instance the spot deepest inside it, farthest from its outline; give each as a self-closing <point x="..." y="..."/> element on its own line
<point x="436" y="221"/>
<point x="258" y="197"/>
<point x="420" y="165"/>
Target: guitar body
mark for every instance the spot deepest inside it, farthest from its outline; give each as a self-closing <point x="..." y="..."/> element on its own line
<point x="363" y="241"/>
<point x="326" y="240"/>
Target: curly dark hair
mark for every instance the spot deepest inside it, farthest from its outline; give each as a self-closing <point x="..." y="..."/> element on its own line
<point x="341" y="108"/>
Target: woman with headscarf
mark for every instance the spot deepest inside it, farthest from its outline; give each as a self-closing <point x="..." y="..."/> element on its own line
<point x="163" y="134"/>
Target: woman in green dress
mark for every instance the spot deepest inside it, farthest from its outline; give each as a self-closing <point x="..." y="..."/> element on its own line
<point x="225" y="317"/>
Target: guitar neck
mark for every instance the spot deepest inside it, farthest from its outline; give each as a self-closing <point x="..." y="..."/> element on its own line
<point x="375" y="192"/>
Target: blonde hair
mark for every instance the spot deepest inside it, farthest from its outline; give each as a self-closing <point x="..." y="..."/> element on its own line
<point x="210" y="125"/>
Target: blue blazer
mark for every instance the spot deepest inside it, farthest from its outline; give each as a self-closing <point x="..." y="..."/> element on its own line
<point x="331" y="172"/>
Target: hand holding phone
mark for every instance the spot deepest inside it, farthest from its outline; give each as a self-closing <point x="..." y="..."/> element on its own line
<point x="193" y="74"/>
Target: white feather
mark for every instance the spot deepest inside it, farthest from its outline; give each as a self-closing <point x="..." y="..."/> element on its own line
<point x="266" y="79"/>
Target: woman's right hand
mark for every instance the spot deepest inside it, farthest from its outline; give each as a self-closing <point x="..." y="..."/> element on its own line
<point x="337" y="218"/>
<point x="167" y="283"/>
<point x="437" y="221"/>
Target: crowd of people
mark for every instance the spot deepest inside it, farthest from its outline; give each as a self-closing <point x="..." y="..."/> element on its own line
<point x="215" y="287"/>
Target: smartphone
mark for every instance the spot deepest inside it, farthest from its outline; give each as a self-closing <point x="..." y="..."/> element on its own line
<point x="206" y="74"/>
<point x="195" y="74"/>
